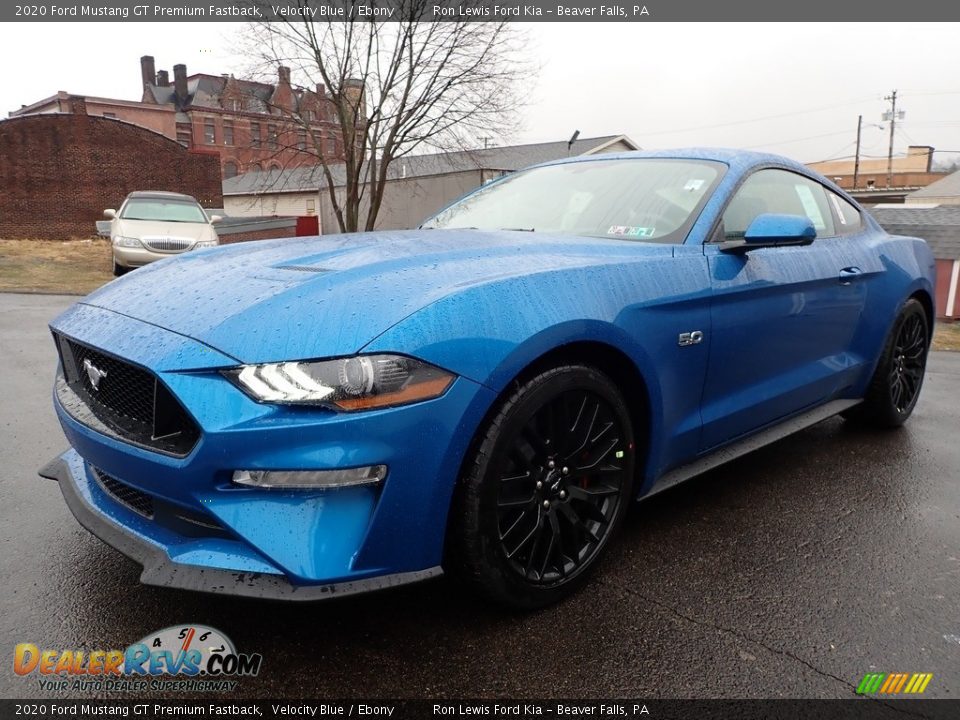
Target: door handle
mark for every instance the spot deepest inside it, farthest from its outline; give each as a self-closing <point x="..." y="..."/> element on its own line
<point x="848" y="274"/>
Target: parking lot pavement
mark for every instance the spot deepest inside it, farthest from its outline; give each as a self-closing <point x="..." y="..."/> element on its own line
<point x="791" y="572"/>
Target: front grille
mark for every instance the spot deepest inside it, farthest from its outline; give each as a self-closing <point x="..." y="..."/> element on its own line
<point x="167" y="244"/>
<point x="123" y="400"/>
<point x="122" y="388"/>
<point x="138" y="501"/>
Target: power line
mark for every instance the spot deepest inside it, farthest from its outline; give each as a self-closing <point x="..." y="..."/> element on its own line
<point x="795" y="140"/>
<point x="915" y="93"/>
<point x="758" y="119"/>
<point x="834" y="155"/>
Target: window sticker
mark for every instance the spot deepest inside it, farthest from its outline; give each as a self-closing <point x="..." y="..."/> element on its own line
<point x="836" y="204"/>
<point x="810" y="206"/>
<point x="631" y="231"/>
<point x="693" y="185"/>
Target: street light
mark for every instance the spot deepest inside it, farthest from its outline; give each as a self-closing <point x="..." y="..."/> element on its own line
<point x="856" y="162"/>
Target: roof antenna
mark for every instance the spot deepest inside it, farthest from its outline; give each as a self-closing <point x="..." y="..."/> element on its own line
<point x="572" y="140"/>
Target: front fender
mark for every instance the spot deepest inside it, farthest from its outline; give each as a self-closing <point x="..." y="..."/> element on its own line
<point x="490" y="334"/>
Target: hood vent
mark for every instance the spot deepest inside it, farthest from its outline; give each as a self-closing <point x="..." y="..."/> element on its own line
<point x="304" y="268"/>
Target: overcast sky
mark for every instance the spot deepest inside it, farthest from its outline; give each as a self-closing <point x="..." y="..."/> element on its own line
<point x="794" y="89"/>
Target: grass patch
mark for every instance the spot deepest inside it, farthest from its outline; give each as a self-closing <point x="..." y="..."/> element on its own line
<point x="71" y="267"/>
<point x="946" y="336"/>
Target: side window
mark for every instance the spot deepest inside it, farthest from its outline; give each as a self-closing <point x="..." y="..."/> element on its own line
<point x="781" y="192"/>
<point x="847" y="215"/>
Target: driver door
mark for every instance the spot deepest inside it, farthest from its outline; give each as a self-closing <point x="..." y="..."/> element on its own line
<point x="782" y="318"/>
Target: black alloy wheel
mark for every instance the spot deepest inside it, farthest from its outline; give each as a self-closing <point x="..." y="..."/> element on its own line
<point x="548" y="486"/>
<point x="908" y="363"/>
<point x="896" y="383"/>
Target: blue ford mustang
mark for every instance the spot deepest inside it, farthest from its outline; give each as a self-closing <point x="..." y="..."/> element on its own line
<point x="313" y="417"/>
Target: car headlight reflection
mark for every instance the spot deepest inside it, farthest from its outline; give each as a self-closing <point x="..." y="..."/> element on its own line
<point x="129" y="242"/>
<point x="356" y="383"/>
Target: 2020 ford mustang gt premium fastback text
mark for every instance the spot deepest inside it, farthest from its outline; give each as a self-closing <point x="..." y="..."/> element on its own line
<point x="312" y="417"/>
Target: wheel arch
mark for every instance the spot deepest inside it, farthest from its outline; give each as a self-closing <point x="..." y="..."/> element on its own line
<point x="605" y="357"/>
<point x="924" y="298"/>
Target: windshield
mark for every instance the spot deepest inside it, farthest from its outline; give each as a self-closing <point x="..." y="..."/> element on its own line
<point x="165" y="210"/>
<point x="644" y="199"/>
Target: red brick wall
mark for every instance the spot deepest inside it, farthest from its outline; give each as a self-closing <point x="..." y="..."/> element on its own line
<point x="59" y="172"/>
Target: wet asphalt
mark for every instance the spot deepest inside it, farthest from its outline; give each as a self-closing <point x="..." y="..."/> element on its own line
<point x="791" y="572"/>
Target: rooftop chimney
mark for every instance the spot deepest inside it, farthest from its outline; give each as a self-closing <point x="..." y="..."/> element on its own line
<point x="321" y="90"/>
<point x="163" y="78"/>
<point x="78" y="105"/>
<point x="180" y="85"/>
<point x="148" y="71"/>
<point x="283" y="73"/>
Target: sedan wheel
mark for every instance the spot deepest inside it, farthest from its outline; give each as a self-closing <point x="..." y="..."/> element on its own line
<point x="547" y="487"/>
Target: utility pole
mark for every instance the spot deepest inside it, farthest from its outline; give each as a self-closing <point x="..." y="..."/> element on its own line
<point x="856" y="161"/>
<point x="893" y="122"/>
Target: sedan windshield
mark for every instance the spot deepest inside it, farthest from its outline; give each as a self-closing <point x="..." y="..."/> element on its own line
<point x="645" y="199"/>
<point x="163" y="210"/>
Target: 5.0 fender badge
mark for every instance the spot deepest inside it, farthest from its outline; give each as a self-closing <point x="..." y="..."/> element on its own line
<point x="690" y="338"/>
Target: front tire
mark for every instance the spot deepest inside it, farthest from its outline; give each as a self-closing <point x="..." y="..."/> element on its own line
<point x="119" y="269"/>
<point x="547" y="486"/>
<point x="896" y="383"/>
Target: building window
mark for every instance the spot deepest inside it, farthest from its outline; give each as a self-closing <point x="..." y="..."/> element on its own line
<point x="209" y="132"/>
<point x="308" y="115"/>
<point x="255" y="134"/>
<point x="311" y="206"/>
<point x="229" y="170"/>
<point x="236" y="105"/>
<point x="184" y="135"/>
<point x="228" y="132"/>
<point x="256" y="167"/>
<point x="302" y="140"/>
<point x="272" y="137"/>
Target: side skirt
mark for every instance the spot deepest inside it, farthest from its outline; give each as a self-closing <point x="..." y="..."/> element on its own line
<point x="748" y="444"/>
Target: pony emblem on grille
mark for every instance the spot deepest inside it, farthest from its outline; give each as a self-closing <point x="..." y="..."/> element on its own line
<point x="94" y="373"/>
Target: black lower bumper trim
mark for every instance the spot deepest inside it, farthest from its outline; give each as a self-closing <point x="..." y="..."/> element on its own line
<point x="158" y="569"/>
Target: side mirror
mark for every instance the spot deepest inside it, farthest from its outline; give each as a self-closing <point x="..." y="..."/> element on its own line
<point x="774" y="230"/>
<point x="214" y="219"/>
<point x="110" y="213"/>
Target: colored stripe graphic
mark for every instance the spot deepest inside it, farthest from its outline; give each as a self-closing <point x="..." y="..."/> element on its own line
<point x="894" y="683"/>
<point x="870" y="683"/>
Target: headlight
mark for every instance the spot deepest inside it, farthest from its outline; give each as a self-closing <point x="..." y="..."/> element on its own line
<point x="129" y="242"/>
<point x="205" y="244"/>
<point x="357" y="383"/>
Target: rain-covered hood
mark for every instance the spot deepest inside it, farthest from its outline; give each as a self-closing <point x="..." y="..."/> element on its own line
<point x="305" y="298"/>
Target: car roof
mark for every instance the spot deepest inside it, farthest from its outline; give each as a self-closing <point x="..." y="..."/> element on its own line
<point x="161" y="195"/>
<point x="735" y="158"/>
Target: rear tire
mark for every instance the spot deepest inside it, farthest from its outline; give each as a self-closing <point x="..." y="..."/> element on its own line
<point x="547" y="486"/>
<point x="896" y="383"/>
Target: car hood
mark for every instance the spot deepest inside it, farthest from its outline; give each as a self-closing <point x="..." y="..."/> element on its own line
<point x="148" y="228"/>
<point x="303" y="298"/>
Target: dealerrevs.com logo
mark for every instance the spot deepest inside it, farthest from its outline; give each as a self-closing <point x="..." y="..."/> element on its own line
<point x="190" y="658"/>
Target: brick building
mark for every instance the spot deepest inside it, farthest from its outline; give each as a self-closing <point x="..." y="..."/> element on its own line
<point x="251" y="125"/>
<point x="59" y="171"/>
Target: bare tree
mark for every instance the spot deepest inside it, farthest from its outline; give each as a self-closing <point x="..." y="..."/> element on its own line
<point x="394" y="87"/>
